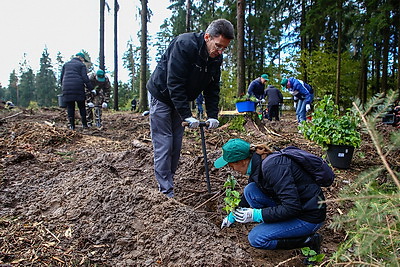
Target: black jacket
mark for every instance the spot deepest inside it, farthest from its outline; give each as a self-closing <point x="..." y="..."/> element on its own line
<point x="294" y="191"/>
<point x="74" y="78"/>
<point x="183" y="72"/>
<point x="274" y="95"/>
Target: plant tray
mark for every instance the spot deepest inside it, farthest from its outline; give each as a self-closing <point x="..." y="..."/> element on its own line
<point x="246" y="106"/>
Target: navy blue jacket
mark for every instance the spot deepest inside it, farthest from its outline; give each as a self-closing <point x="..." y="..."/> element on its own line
<point x="183" y="72"/>
<point x="74" y="78"/>
<point x="256" y="88"/>
<point x="301" y="90"/>
<point x="293" y="190"/>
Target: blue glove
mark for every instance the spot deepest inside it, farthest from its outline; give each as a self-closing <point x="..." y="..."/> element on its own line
<point x="193" y="123"/>
<point x="245" y="215"/>
<point x="213" y="123"/>
<point x="228" y="221"/>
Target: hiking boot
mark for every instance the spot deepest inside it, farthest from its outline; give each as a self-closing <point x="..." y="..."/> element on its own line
<point x="315" y="243"/>
<point x="71" y="123"/>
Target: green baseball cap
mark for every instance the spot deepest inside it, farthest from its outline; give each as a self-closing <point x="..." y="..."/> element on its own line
<point x="265" y="77"/>
<point x="82" y="55"/>
<point x="233" y="151"/>
<point x="100" y="76"/>
<point x="284" y="82"/>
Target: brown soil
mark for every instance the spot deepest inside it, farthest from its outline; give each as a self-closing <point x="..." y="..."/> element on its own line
<point x="89" y="197"/>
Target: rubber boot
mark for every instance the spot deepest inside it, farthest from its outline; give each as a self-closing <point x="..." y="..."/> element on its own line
<point x="313" y="242"/>
<point x="71" y="123"/>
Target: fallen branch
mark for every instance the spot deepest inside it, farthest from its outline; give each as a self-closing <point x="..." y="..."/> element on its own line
<point x="11" y="116"/>
<point x="272" y="132"/>
<point x="208" y="200"/>
<point x="287" y="260"/>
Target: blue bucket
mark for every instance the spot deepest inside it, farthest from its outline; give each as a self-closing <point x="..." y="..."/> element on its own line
<point x="246" y="106"/>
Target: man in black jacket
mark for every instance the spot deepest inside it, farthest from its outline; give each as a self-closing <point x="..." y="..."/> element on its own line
<point x="190" y="66"/>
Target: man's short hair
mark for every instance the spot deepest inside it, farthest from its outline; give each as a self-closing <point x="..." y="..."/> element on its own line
<point x="221" y="27"/>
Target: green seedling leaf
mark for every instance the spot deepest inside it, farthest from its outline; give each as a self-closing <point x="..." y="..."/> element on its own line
<point x="232" y="197"/>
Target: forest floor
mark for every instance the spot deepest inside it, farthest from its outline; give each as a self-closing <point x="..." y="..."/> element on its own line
<point x="89" y="197"/>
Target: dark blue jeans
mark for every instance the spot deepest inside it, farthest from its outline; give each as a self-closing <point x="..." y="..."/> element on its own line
<point x="301" y="110"/>
<point x="266" y="235"/>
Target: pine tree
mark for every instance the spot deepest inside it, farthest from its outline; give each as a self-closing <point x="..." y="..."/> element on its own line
<point x="26" y="88"/>
<point x="12" y="90"/>
<point x="46" y="84"/>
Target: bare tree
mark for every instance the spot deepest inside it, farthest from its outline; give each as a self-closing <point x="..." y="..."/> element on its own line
<point x="188" y="14"/>
<point x="143" y="103"/>
<point x="101" y="50"/>
<point x="240" y="47"/>
<point x="339" y="53"/>
<point x="116" y="9"/>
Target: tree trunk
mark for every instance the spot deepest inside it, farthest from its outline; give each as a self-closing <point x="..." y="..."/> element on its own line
<point x="188" y="14"/>
<point x="101" y="50"/>
<point x="116" y="9"/>
<point x="363" y="79"/>
<point x="385" y="54"/>
<point x="240" y="47"/>
<point x="339" y="56"/>
<point x="377" y="59"/>
<point x="398" y="66"/>
<point x="303" y="39"/>
<point x="143" y="103"/>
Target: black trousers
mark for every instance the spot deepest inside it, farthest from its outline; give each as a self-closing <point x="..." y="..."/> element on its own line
<point x="71" y="110"/>
<point x="273" y="112"/>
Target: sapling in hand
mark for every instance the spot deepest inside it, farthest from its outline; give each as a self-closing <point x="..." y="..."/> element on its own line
<point x="232" y="197"/>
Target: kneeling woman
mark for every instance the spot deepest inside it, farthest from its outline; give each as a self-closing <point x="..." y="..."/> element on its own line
<point x="281" y="196"/>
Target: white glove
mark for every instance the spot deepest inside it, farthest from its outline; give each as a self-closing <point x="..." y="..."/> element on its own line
<point x="245" y="215"/>
<point x="228" y="220"/>
<point x="294" y="104"/>
<point x="213" y="123"/>
<point x="263" y="100"/>
<point x="193" y="123"/>
<point x="104" y="105"/>
<point x="94" y="92"/>
<point x="308" y="107"/>
<point x="90" y="105"/>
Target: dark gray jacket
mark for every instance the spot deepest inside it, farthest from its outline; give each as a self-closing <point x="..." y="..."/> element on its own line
<point x="74" y="78"/>
<point x="183" y="72"/>
<point x="274" y="95"/>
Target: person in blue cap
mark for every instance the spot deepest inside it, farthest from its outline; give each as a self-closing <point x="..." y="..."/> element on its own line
<point x="99" y="95"/>
<point x="257" y="87"/>
<point x="280" y="196"/>
<point x="303" y="95"/>
<point x="74" y="79"/>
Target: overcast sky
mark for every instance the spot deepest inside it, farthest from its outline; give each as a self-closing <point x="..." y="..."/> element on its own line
<point x="68" y="26"/>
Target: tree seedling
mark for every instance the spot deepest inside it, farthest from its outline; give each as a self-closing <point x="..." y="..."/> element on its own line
<point x="312" y="256"/>
<point x="232" y="197"/>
